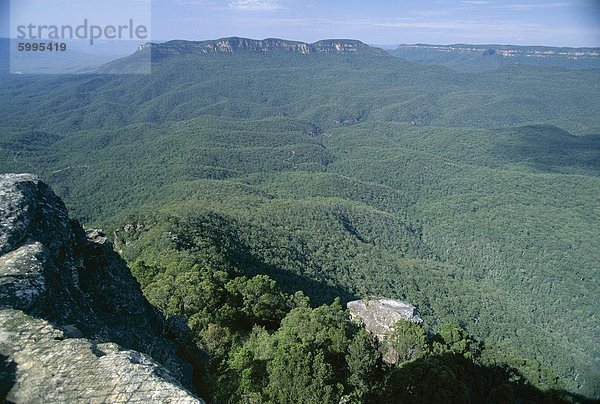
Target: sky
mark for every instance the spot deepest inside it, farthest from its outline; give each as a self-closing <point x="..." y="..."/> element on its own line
<point x="380" y="22"/>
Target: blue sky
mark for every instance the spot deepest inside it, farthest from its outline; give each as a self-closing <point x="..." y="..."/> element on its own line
<point x="534" y="22"/>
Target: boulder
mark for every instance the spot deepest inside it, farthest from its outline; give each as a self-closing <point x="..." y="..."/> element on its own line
<point x="379" y="315"/>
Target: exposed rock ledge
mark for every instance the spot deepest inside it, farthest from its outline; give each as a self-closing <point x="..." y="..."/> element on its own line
<point x="74" y="325"/>
<point x="379" y="317"/>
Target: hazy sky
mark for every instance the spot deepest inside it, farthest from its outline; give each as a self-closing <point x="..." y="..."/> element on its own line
<point x="534" y="22"/>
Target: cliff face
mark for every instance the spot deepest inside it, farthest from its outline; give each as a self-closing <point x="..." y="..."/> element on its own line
<point x="230" y="45"/>
<point x="74" y="325"/>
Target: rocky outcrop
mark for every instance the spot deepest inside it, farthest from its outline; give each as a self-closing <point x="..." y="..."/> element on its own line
<point x="51" y="366"/>
<point x="379" y="314"/>
<point x="379" y="317"/>
<point x="234" y="44"/>
<point x="74" y="325"/>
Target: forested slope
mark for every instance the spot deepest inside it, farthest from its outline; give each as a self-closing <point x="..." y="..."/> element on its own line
<point x="472" y="196"/>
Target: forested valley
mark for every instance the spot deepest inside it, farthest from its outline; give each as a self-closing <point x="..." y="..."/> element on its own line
<point x="254" y="194"/>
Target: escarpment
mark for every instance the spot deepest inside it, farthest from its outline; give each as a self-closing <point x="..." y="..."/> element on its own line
<point x="74" y="325"/>
<point x="235" y="44"/>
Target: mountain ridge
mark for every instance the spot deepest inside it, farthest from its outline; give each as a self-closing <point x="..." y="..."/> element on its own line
<point x="237" y="44"/>
<point x="483" y="57"/>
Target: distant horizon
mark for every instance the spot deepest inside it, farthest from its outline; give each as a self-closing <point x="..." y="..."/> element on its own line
<point x="386" y="45"/>
<point x="551" y="23"/>
<point x="396" y="44"/>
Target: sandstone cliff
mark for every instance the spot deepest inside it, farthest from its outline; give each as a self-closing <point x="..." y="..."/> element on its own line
<point x="235" y="44"/>
<point x="74" y="325"/>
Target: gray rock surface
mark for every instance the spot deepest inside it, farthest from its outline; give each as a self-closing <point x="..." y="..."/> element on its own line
<point x="25" y="203"/>
<point x="53" y="368"/>
<point x="74" y="325"/>
<point x="380" y="315"/>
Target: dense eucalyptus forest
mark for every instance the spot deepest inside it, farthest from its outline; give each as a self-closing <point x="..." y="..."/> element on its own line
<point x="254" y="193"/>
